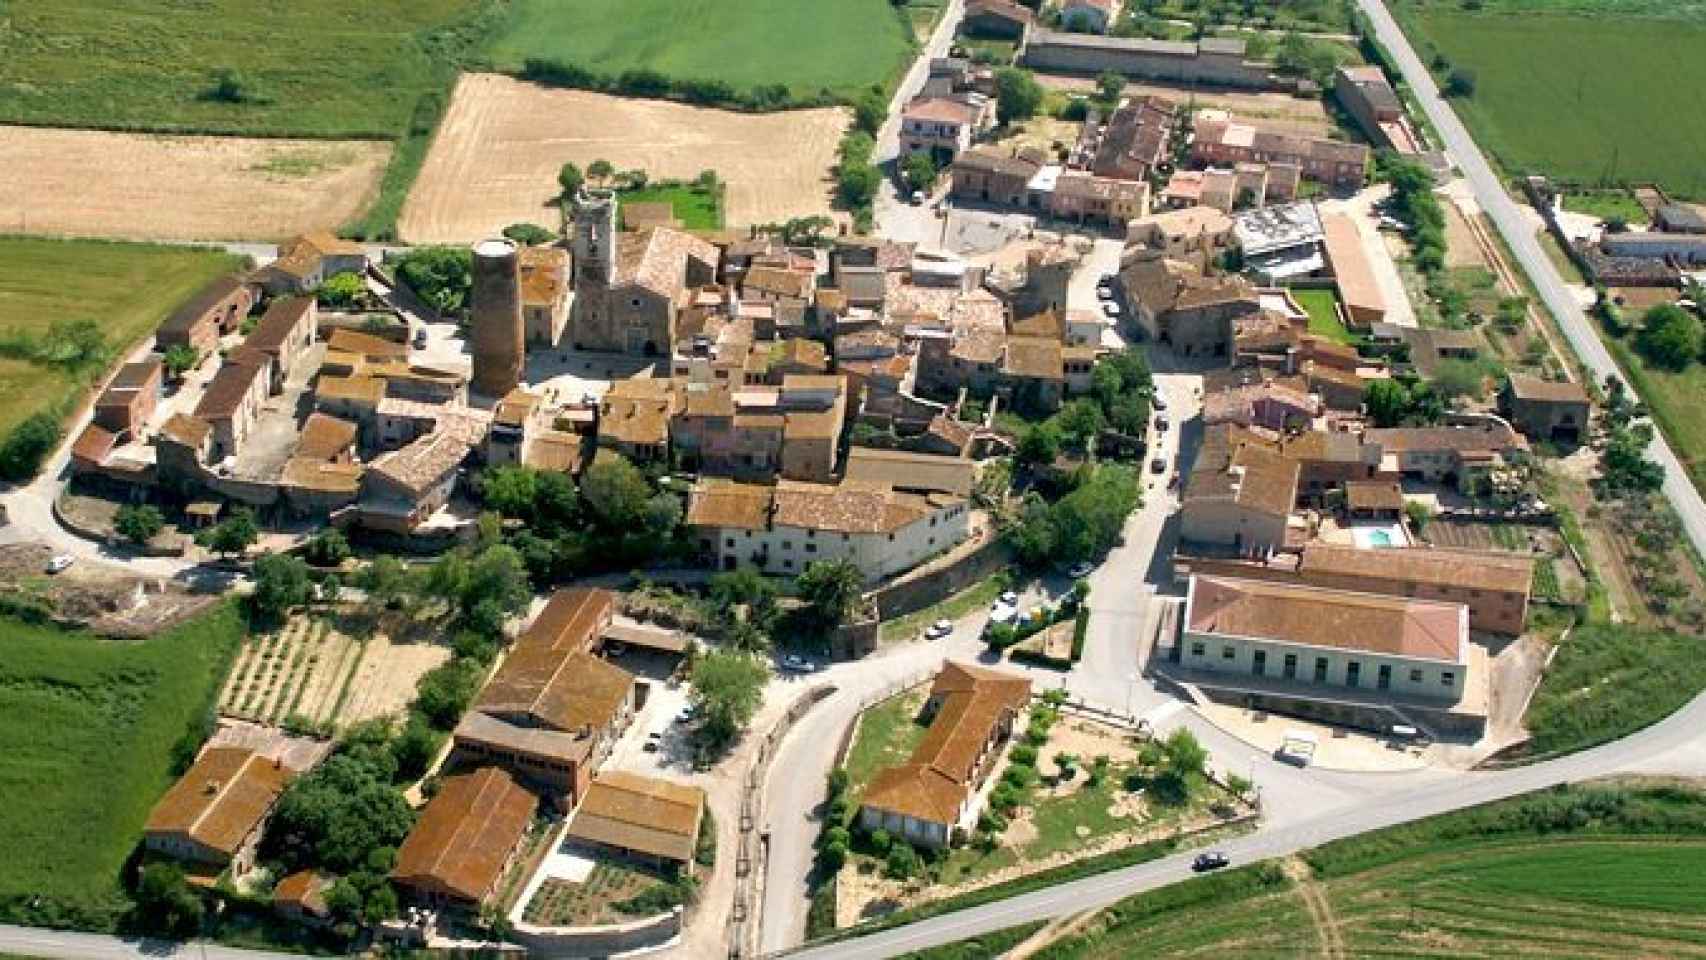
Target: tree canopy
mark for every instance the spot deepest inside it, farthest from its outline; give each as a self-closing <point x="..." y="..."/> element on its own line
<point x="281" y="582"/>
<point x="138" y="523"/>
<point x="1670" y="336"/>
<point x="831" y="587"/>
<point x="1018" y="96"/>
<point x="727" y="690"/>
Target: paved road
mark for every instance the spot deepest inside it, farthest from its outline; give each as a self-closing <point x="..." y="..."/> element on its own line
<point x="56" y="944"/>
<point x="1518" y="233"/>
<point x="1673" y="745"/>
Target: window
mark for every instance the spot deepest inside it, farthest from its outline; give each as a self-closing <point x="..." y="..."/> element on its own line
<point x="1259" y="663"/>
<point x="1415" y="676"/>
<point x="1289" y="669"/>
<point x="1353" y="674"/>
<point x="787" y="564"/>
<point x="1447" y="679"/>
<point x="729" y="542"/>
<point x="1198" y="649"/>
<point x="787" y="544"/>
<point x="1227" y="652"/>
<point x="811" y="548"/>
<point x="1320" y="669"/>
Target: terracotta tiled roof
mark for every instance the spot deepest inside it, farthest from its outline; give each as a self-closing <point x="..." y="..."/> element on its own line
<point x="550" y="678"/>
<point x="556" y="450"/>
<point x="307" y="473"/>
<point x="1340" y="619"/>
<point x="225" y="392"/>
<point x="1464" y="569"/>
<point x="1235" y="465"/>
<point x="778" y="281"/>
<point x="544" y="274"/>
<point x="570" y="620"/>
<point x="94" y="444"/>
<point x="369" y="390"/>
<point x="657" y="259"/>
<point x="989" y="160"/>
<point x="305" y="890"/>
<point x="940" y="110"/>
<point x="936" y="780"/>
<point x="849" y="507"/>
<point x="278" y="322"/>
<point x="1494" y="438"/>
<point x="464" y="836"/>
<point x="638" y="410"/>
<point x="516" y="407"/>
<point x="1374" y="495"/>
<point x="1038" y="358"/>
<point x="365" y="345"/>
<point x="423" y="463"/>
<point x="187" y="430"/>
<point x="918" y="472"/>
<point x="324" y="437"/>
<point x="649" y="816"/>
<point x="190" y="312"/>
<point x="221" y="799"/>
<point x="1524" y="387"/>
<point x="728" y="505"/>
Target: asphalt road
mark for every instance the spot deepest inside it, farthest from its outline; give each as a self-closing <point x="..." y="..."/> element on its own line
<point x="1507" y="217"/>
<point x="57" y="944"/>
<point x="1673" y="745"/>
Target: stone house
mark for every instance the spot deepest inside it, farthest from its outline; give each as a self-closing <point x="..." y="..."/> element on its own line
<point x="1202" y="231"/>
<point x="1136" y="139"/>
<point x="1457" y="455"/>
<point x="991" y="175"/>
<point x="402" y="488"/>
<point x="198" y="322"/>
<point x="1494" y="586"/>
<point x="1218" y="140"/>
<point x="304" y="262"/>
<point x="233" y="399"/>
<point x="1240" y="493"/>
<point x="643" y="819"/>
<point x="1546" y="409"/>
<point x="128" y="402"/>
<point x="465" y="841"/>
<point x="544" y="293"/>
<point x="943" y="126"/>
<point x="996" y="18"/>
<point x="211" y="819"/>
<point x="285" y="332"/>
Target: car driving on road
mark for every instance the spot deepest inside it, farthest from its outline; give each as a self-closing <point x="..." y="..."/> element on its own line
<point x="1212" y="860"/>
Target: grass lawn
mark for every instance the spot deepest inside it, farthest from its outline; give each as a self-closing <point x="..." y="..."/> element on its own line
<point x="317" y="67"/>
<point x="842" y="45"/>
<point x="1560" y="260"/>
<point x="1597" y="872"/>
<point x="696" y="209"/>
<point x="980" y="594"/>
<point x="1608" y="681"/>
<point x="1621" y="89"/>
<point x="1674" y="399"/>
<point x="1606" y="206"/>
<point x="887" y="734"/>
<point x="1321" y="305"/>
<point x="128" y="287"/>
<point x="88" y="731"/>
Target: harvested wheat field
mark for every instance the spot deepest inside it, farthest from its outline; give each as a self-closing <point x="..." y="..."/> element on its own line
<point x="154" y="187"/>
<point x="495" y="158"/>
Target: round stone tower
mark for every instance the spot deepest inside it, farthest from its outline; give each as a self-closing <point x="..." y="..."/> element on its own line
<point x="496" y="325"/>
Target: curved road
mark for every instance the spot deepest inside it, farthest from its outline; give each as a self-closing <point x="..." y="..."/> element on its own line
<point x="1503" y="211"/>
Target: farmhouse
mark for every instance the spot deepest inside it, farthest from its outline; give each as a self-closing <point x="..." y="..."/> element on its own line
<point x="553" y="710"/>
<point x="1135" y="139"/>
<point x="233" y="398"/>
<point x="1370" y="100"/>
<point x="1331" y="653"/>
<point x="1546" y="409"/>
<point x="285" y="332"/>
<point x="1461" y="455"/>
<point x="1215" y="61"/>
<point x="305" y="262"/>
<point x="1239" y="494"/>
<point x="402" y="488"/>
<point x="993" y="176"/>
<point x="943" y="126"/>
<point x="216" y="309"/>
<point x="1494" y="586"/>
<point x="464" y="841"/>
<point x="653" y="821"/>
<point x="128" y="402"/>
<point x="1204" y="231"/>
<point x="211" y="819"/>
<point x="1220" y="140"/>
<point x="782" y="529"/>
<point x="996" y="18"/>
<point x="933" y="797"/>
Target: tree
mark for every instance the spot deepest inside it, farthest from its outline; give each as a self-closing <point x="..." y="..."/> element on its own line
<point x="441" y="276"/>
<point x="230" y="536"/>
<point x="331" y="589"/>
<point x="1455" y="378"/>
<point x="28" y="444"/>
<point x="1080" y="421"/>
<point x="569" y="181"/>
<point x="1109" y="85"/>
<point x="600" y="170"/>
<point x="529" y="234"/>
<point x="1018" y="96"/>
<point x="857" y="184"/>
<point x="180" y="358"/>
<point x="1040" y="443"/>
<point x="138" y="523"/>
<point x="727" y="689"/>
<point x="492" y="587"/>
<point x="445" y="691"/>
<point x="340" y="290"/>
<point x="1670" y="336"/>
<point x="903" y="862"/>
<point x="343" y="811"/>
<point x="869" y="111"/>
<point x="384" y="580"/>
<point x="920" y="170"/>
<point x="1460" y="83"/>
<point x="1388" y="401"/>
<point x="165" y="903"/>
<point x="831" y="587"/>
<point x="281" y="582"/>
<point x="230" y="85"/>
<point x="415" y="747"/>
<point x="328" y="548"/>
<point x="616" y="493"/>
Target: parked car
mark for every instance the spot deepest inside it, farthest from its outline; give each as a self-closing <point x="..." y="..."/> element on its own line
<point x="1104" y="293"/>
<point x="1158" y="465"/>
<point x="1212" y="860"/>
<point x="1158" y="401"/>
<point x="420" y="338"/>
<point x="686" y="715"/>
<point x="1173" y="484"/>
<point x="794" y="663"/>
<point x="1081" y="569"/>
<point x="1111" y="309"/>
<point x="1161" y="424"/>
<point x="1009" y="597"/>
<point x="940" y="629"/>
<point x="1003" y="613"/>
<point x="918" y="198"/>
<point x="60" y="563"/>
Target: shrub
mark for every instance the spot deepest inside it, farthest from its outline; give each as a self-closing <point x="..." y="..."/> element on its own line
<point x="880" y="841"/>
<point x="28" y="444"/>
<point x="1023" y="754"/>
<point x="903" y="862"/>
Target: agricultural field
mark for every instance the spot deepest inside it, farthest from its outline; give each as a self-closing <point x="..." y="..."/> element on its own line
<point x="127" y="288"/>
<point x="1607" y="122"/>
<point x="495" y="158"/>
<point x="1521" y="877"/>
<point x="316" y="673"/>
<point x="840" y="45"/>
<point x="90" y="731"/>
<point x="131" y="185"/>
<point x="308" y="68"/>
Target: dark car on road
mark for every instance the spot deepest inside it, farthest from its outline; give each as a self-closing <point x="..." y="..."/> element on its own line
<point x="1212" y="860"/>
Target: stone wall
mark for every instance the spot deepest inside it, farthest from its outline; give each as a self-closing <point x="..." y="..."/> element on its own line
<point x="917" y="592"/>
<point x="602" y="941"/>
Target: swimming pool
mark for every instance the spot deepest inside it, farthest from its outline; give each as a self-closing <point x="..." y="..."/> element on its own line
<point x="1377" y="538"/>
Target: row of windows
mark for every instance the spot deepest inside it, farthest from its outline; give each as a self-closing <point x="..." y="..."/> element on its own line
<point x="1353" y="669"/>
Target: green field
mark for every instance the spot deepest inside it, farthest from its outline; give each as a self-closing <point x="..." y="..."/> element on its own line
<point x="1673" y="396"/>
<point x="316" y="67"/>
<point x="1609" y="680"/>
<point x="88" y="733"/>
<point x="696" y="209"/>
<point x="1585" y="99"/>
<point x="1578" y="872"/>
<point x="1322" y="307"/>
<point x="842" y="45"/>
<point x="127" y="287"/>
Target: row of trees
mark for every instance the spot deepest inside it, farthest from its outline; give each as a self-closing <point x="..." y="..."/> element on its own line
<point x="1083" y="524"/>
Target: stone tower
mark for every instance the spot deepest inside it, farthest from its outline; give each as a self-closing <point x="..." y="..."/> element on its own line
<point x="595" y="238"/>
<point x="496" y="323"/>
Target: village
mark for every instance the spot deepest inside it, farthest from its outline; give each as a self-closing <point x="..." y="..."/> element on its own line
<point x="1166" y="438"/>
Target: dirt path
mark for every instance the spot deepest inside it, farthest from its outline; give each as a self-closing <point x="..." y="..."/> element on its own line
<point x="131" y="185"/>
<point x="1057" y="929"/>
<point x="1320" y="909"/>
